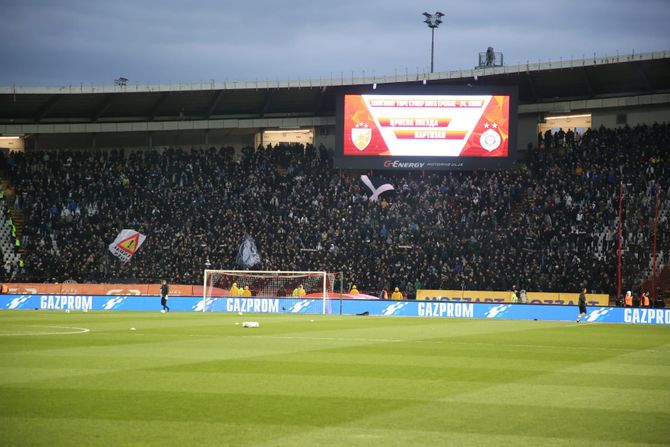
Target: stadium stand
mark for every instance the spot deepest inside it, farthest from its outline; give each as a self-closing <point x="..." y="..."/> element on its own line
<point x="550" y="225"/>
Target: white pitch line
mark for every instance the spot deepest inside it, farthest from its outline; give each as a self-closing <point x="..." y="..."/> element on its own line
<point x="79" y="330"/>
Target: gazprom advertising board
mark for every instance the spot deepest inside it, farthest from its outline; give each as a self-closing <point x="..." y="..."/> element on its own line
<point x="421" y="309"/>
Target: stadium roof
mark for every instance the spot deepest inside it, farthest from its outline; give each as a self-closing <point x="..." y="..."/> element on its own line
<point x="627" y="75"/>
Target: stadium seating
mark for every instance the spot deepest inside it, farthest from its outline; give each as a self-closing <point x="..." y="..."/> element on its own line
<point x="548" y="226"/>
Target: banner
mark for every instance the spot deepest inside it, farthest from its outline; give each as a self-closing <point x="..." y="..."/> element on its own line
<point x="486" y="296"/>
<point x="102" y="289"/>
<point x="248" y="255"/>
<point x="126" y="244"/>
<point x="376" y="191"/>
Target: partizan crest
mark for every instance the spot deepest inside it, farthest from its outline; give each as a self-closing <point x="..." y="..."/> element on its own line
<point x="361" y="135"/>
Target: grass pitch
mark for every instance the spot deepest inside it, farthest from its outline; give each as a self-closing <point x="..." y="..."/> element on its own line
<point x="199" y="379"/>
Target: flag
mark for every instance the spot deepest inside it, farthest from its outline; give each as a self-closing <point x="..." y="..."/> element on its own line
<point x="248" y="256"/>
<point x="126" y="244"/>
<point x="376" y="190"/>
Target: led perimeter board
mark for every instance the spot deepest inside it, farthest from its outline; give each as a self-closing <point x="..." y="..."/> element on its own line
<point x="426" y="128"/>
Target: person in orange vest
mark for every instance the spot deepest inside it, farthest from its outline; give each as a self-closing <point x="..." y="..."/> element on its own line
<point x="644" y="300"/>
<point x="234" y="290"/>
<point x="628" y="299"/>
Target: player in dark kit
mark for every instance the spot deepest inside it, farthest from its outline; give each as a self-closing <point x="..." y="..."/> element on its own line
<point x="582" y="305"/>
<point x="164" y="296"/>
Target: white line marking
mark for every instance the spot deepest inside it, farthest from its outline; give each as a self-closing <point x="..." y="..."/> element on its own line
<point x="78" y="330"/>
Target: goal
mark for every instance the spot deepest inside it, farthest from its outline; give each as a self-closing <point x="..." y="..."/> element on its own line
<point x="217" y="285"/>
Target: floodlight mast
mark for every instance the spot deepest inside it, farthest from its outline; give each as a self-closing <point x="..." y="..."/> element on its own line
<point x="433" y="21"/>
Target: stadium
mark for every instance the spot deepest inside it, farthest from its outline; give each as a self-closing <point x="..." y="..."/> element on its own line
<point x="373" y="260"/>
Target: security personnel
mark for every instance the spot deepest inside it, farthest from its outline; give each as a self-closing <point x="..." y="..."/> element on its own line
<point x="628" y="299"/>
<point x="397" y="294"/>
<point x="644" y="300"/>
<point x="234" y="290"/>
<point x="298" y="292"/>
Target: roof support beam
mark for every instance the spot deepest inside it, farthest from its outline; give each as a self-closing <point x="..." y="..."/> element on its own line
<point x="589" y="84"/>
<point x="645" y="78"/>
<point x="214" y="103"/>
<point x="319" y="102"/>
<point x="531" y="84"/>
<point x="159" y="102"/>
<point x="266" y="103"/>
<point x="103" y="107"/>
<point x="47" y="108"/>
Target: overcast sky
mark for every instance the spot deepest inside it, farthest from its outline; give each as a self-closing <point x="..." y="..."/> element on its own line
<point x="68" y="42"/>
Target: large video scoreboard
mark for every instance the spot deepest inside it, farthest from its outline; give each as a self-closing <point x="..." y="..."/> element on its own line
<point x="431" y="128"/>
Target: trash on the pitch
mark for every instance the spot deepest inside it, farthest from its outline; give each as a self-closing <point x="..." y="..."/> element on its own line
<point x="251" y="324"/>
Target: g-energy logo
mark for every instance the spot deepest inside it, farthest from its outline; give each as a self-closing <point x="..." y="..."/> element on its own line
<point x="397" y="164"/>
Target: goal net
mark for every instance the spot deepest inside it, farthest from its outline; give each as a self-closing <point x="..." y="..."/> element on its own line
<point x="291" y="288"/>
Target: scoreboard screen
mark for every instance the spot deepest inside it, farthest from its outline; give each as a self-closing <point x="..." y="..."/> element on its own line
<point x="425" y="131"/>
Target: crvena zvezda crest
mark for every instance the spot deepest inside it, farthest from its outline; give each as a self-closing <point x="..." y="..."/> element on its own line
<point x="361" y="135"/>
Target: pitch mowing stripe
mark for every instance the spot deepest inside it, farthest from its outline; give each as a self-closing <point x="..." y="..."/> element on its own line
<point x="50" y="432"/>
<point x="390" y="437"/>
<point x="23" y="375"/>
<point x="577" y="425"/>
<point x="595" y="398"/>
<point x="615" y="381"/>
<point x="621" y="368"/>
<point x="505" y="346"/>
<point x="263" y="384"/>
<point x="187" y="406"/>
<point x="444" y="417"/>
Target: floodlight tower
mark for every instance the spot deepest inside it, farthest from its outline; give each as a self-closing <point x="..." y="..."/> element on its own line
<point x="433" y="21"/>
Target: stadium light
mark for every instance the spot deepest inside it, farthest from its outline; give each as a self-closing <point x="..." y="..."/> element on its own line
<point x="433" y="21"/>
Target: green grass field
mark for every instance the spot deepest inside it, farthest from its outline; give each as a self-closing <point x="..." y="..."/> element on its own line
<point x="198" y="379"/>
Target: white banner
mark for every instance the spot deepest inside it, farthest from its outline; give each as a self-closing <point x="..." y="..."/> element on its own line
<point x="126" y="244"/>
<point x="248" y="256"/>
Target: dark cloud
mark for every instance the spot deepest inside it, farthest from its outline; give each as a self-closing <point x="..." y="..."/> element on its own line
<point x="71" y="41"/>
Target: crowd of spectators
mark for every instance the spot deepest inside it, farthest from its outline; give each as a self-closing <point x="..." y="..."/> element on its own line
<point x="549" y="225"/>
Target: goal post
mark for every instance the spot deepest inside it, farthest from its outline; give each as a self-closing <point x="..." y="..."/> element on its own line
<point x="286" y="285"/>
